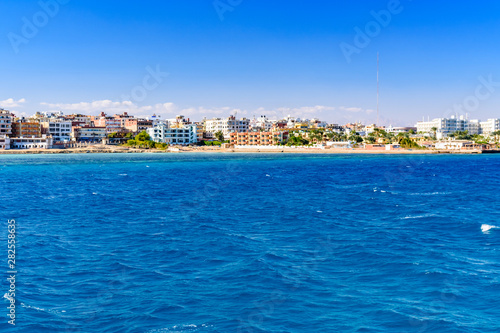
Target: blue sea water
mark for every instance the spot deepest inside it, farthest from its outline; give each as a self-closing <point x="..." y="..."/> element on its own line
<point x="252" y="243"/>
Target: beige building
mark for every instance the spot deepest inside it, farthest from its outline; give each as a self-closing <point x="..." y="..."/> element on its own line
<point x="226" y="126"/>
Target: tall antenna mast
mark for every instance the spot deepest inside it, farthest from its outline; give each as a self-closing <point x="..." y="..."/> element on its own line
<point x="378" y="89"/>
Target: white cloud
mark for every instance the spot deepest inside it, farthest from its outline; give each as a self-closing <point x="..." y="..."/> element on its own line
<point x="11" y="103"/>
<point x="351" y="109"/>
<point x="109" y="107"/>
<point x="328" y="113"/>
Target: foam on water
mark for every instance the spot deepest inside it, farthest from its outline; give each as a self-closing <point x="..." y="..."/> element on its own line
<point x="487" y="227"/>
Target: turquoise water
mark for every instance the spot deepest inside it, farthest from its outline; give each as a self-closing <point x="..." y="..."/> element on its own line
<point x="253" y="243"/>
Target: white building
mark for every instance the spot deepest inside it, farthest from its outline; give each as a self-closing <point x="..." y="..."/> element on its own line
<point x="59" y="129"/>
<point x="397" y="130"/>
<point x="490" y="126"/>
<point x="453" y="144"/>
<point x="339" y="144"/>
<point x="261" y="124"/>
<point x="226" y="126"/>
<point x="4" y="142"/>
<point x="45" y="142"/>
<point x="5" y="122"/>
<point x="178" y="135"/>
<point x="446" y="126"/>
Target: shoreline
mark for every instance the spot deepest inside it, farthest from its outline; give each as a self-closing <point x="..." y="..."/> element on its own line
<point x="101" y="149"/>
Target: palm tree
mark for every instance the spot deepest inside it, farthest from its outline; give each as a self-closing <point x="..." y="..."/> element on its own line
<point x="220" y="136"/>
<point x="434" y="130"/>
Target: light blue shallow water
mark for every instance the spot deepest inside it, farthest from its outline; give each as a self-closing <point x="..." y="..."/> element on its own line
<point x="253" y="243"/>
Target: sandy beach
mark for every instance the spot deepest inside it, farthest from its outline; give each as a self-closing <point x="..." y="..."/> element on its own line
<point x="109" y="149"/>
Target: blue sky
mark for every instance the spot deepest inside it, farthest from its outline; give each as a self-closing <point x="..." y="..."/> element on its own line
<point x="275" y="58"/>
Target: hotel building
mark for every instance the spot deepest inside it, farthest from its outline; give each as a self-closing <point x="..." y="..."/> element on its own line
<point x="490" y="126"/>
<point x="226" y="126"/>
<point x="446" y="126"/>
<point x="258" y="138"/>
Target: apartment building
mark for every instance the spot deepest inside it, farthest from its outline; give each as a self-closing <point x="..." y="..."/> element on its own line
<point x="258" y="138"/>
<point x="59" y="129"/>
<point x="123" y="118"/>
<point x="199" y="131"/>
<point x="163" y="133"/>
<point x="261" y="124"/>
<point x="79" y="120"/>
<point x="5" y="123"/>
<point x="136" y="125"/>
<point x="226" y="126"/>
<point x="24" y="127"/>
<point x="112" y="124"/>
<point x="88" y="134"/>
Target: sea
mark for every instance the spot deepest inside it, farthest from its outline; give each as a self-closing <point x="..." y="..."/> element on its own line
<point x="251" y="243"/>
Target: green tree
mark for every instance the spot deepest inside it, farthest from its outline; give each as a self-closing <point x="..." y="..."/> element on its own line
<point x="143" y="136"/>
<point x="219" y="136"/>
<point x="297" y="141"/>
<point x="408" y="143"/>
<point x="434" y="132"/>
<point x="370" y="139"/>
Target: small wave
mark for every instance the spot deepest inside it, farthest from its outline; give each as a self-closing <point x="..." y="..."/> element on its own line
<point x="123" y="174"/>
<point x="430" y="193"/>
<point x="180" y="328"/>
<point x="486" y="228"/>
<point x="417" y="217"/>
<point x="41" y="309"/>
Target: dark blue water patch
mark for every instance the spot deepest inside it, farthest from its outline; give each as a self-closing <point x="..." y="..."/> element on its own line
<point x="253" y="242"/>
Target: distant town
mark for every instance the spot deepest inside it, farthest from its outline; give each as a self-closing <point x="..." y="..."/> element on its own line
<point x="50" y="130"/>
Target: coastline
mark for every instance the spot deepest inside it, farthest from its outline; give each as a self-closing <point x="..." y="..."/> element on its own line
<point x="102" y="149"/>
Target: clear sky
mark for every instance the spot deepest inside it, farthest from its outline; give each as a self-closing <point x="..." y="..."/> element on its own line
<point x="252" y="57"/>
